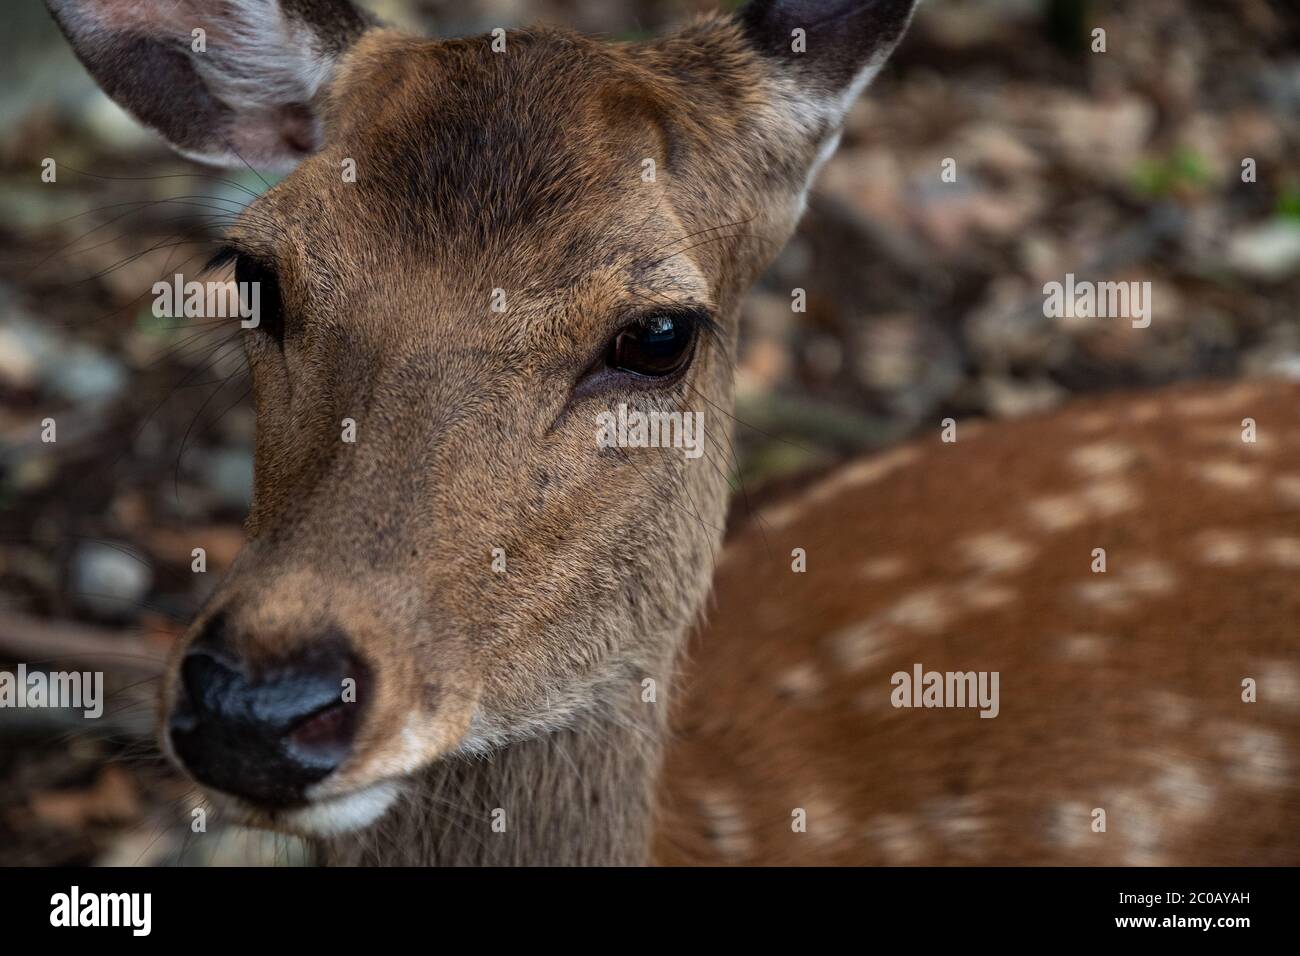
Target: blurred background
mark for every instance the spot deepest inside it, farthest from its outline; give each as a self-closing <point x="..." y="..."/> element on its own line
<point x="924" y="300"/>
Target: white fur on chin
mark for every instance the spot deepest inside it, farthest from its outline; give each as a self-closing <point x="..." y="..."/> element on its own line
<point x="335" y="815"/>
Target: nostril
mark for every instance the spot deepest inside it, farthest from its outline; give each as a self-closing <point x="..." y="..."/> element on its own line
<point x="325" y="736"/>
<point x="270" y="731"/>
<point x="210" y="684"/>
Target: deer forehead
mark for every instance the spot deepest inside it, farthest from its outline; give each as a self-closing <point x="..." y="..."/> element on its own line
<point x="547" y="179"/>
<point x="566" y="137"/>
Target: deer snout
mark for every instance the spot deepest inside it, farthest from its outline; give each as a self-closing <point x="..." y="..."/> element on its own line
<point x="267" y="730"/>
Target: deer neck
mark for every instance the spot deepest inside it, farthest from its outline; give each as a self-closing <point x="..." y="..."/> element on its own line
<point x="575" y="796"/>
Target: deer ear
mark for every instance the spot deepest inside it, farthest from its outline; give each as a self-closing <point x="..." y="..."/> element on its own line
<point x="229" y="82"/>
<point x="830" y="49"/>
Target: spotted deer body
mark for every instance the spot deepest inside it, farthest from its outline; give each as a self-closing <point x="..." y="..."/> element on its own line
<point x="1121" y="689"/>
<point x="541" y="228"/>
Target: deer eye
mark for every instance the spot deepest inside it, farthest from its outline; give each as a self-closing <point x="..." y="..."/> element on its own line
<point x="258" y="284"/>
<point x="656" y="345"/>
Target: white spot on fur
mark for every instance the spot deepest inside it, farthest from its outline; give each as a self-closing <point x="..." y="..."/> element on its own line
<point x="961" y="823"/>
<point x="864" y="472"/>
<point x="1148" y="819"/>
<point x="1120" y="590"/>
<point x="1279" y="684"/>
<point x="1059" y="512"/>
<point x="1227" y="474"/>
<point x="1102" y="499"/>
<point x="898" y="837"/>
<point x="1183" y="790"/>
<point x="727" y="827"/>
<point x="1107" y="593"/>
<point x="858" y="647"/>
<point x="923" y="610"/>
<point x="1110" y="498"/>
<point x="1150" y="577"/>
<point x="883" y="568"/>
<point x="1230" y="437"/>
<point x="827" y="822"/>
<point x="1070" y="825"/>
<point x="1103" y="458"/>
<point x="801" y="681"/>
<point x="868" y="471"/>
<point x="1256" y="758"/>
<point x="1084" y="647"/>
<point x="782" y="515"/>
<point x="1223" y="548"/>
<point x="995" y="552"/>
<point x="1283" y="551"/>
<point x="985" y="596"/>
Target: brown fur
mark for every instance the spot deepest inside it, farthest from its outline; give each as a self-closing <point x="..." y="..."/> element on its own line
<point x="1119" y="690"/>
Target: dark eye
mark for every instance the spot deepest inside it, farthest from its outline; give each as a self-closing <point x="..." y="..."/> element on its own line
<point x="259" y="287"/>
<point x="657" y="345"/>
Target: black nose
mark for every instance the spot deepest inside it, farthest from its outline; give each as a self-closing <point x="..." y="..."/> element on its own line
<point x="266" y="733"/>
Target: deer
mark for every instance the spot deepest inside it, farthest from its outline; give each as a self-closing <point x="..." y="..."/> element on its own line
<point x="478" y="634"/>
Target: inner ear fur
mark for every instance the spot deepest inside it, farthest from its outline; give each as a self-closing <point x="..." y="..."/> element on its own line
<point x="225" y="83"/>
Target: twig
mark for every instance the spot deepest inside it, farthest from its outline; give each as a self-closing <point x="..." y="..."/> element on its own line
<point x="62" y="643"/>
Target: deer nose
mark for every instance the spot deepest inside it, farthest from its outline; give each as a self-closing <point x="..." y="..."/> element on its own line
<point x="270" y="732"/>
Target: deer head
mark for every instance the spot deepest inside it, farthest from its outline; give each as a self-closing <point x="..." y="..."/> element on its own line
<point x="442" y="555"/>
